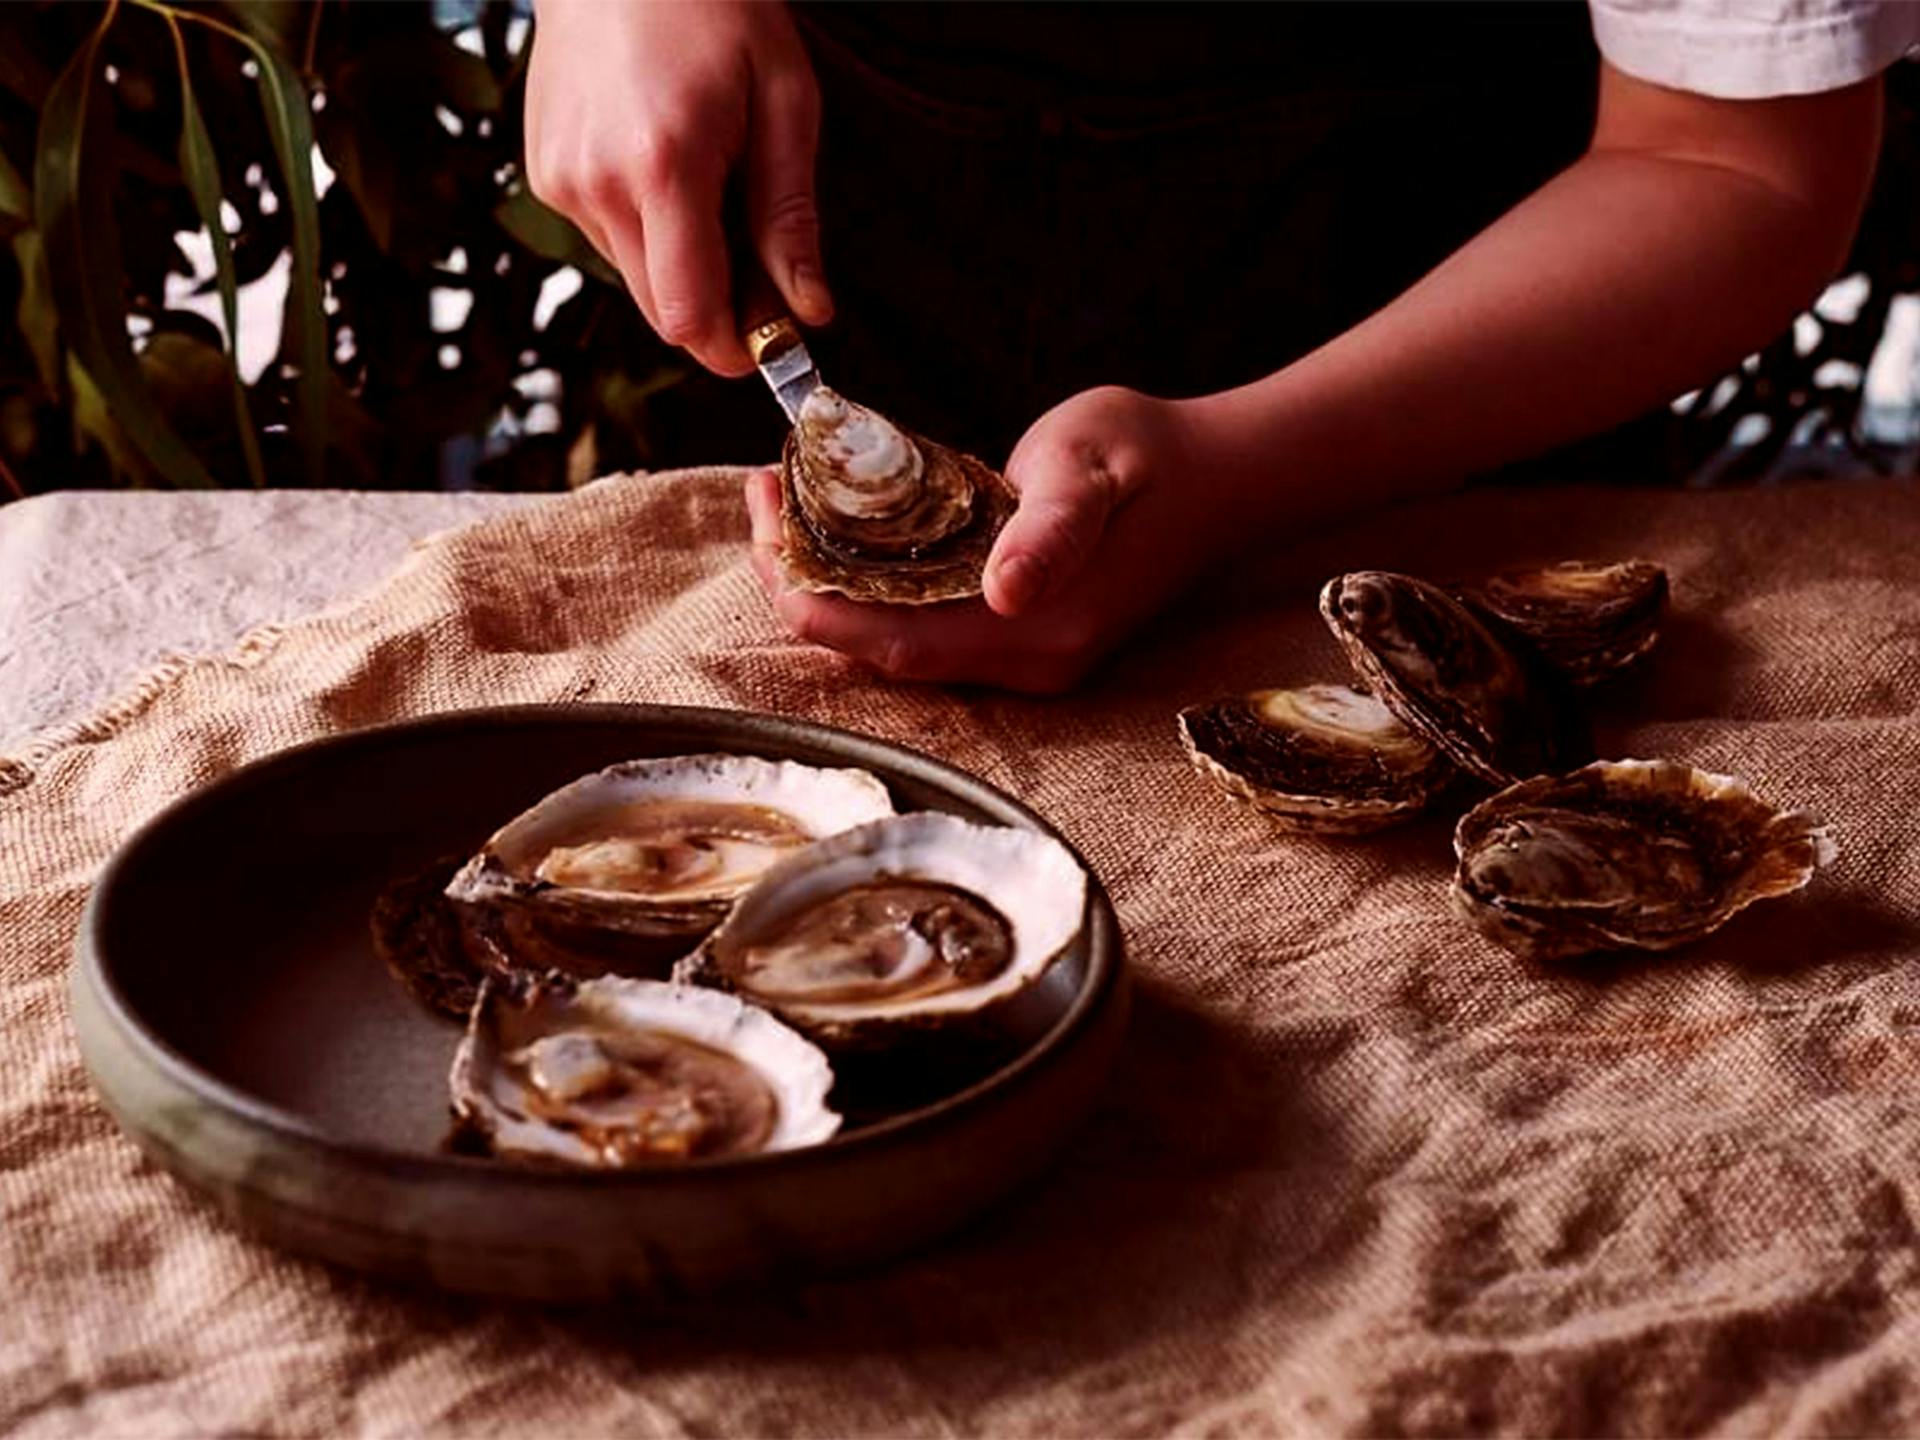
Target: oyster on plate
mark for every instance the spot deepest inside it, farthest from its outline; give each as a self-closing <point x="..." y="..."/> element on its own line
<point x="1625" y="854"/>
<point x="625" y="869"/>
<point x="616" y="1073"/>
<point x="876" y="513"/>
<point x="1322" y="757"/>
<point x="916" y="922"/>
<point x="1494" y="711"/>
<point x="1588" y="618"/>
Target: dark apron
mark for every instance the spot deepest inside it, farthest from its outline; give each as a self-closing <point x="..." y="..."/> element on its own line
<point x="1020" y="203"/>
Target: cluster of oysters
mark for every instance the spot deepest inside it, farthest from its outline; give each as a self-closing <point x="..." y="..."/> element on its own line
<point x="874" y="512"/>
<point x="678" y="958"/>
<point x="1479" y="684"/>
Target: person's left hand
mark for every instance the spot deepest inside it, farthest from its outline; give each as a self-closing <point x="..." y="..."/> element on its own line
<point x="1115" y="516"/>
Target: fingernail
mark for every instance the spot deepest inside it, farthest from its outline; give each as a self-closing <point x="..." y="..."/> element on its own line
<point x="1022" y="578"/>
<point x="814" y="299"/>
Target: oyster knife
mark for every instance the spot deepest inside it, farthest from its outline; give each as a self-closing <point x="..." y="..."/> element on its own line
<point x="769" y="332"/>
<point x="776" y="347"/>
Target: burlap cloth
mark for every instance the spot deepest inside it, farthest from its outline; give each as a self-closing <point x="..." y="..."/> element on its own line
<point x="1359" y="1171"/>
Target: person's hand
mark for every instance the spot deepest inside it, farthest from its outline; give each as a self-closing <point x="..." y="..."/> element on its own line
<point x="1115" y="516"/>
<point x="637" y="115"/>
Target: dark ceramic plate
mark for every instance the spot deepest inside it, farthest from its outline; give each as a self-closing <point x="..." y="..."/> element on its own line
<point x="238" y="1024"/>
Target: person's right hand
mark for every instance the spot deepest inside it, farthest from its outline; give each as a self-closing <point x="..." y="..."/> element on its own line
<point x="638" y="111"/>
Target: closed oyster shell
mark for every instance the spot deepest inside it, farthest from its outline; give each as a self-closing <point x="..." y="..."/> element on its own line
<point x="618" y="1073"/>
<point x="1591" y="619"/>
<point x="1493" y="710"/>
<point x="625" y="869"/>
<point x="888" y="516"/>
<point x="915" y="923"/>
<point x="1625" y="854"/>
<point x="1323" y="758"/>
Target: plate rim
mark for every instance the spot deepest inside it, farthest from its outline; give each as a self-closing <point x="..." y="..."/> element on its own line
<point x="1100" y="925"/>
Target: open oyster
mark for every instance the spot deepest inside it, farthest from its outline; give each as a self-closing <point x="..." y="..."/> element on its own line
<point x="1451" y="680"/>
<point x="1323" y="757"/>
<point x="1627" y="854"/>
<point x="1588" y="618"/>
<point x="921" y="920"/>
<point x="623" y="870"/>
<point x="879" y="514"/>
<point x="616" y="1073"/>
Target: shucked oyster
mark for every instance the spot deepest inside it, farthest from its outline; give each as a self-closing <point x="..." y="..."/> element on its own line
<point x="915" y="921"/>
<point x="1447" y="677"/>
<point x="876" y="513"/>
<point x="616" y="1073"/>
<point x="625" y="869"/>
<point x="1639" y="854"/>
<point x="1589" y="619"/>
<point x="1323" y="757"/>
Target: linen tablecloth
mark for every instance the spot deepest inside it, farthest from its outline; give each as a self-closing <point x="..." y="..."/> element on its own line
<point x="96" y="586"/>
<point x="1358" y="1172"/>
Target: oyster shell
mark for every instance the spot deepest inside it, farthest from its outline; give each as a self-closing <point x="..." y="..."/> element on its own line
<point x="417" y="934"/>
<point x="1625" y="854"/>
<point x="1491" y="709"/>
<point x="1323" y="757"/>
<point x="623" y="870"/>
<point x="921" y="920"/>
<point x="1588" y="618"/>
<point x="876" y="513"/>
<point x="615" y="1073"/>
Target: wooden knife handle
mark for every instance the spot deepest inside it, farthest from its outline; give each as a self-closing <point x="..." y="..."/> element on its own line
<point x="759" y="309"/>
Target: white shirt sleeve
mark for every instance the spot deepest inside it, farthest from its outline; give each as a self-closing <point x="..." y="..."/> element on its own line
<point x="1754" y="49"/>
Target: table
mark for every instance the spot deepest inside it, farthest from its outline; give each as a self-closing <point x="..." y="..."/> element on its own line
<point x="1358" y="1171"/>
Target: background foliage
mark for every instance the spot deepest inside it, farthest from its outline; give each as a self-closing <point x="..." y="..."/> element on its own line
<point x="124" y="124"/>
<point x="410" y="356"/>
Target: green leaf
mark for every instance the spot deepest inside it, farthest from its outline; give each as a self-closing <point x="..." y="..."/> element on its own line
<point x="279" y="23"/>
<point x="304" y="337"/>
<point x="36" y="316"/>
<point x="16" y="201"/>
<point x="548" y="234"/>
<point x="73" y="205"/>
<point x="464" y="81"/>
<point x="202" y="171"/>
<point x="93" y="418"/>
<point x="364" y="162"/>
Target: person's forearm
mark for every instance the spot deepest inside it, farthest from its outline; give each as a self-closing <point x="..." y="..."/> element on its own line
<point x="1627" y="280"/>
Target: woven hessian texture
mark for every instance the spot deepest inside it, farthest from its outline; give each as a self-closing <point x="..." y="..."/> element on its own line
<point x="1358" y="1172"/>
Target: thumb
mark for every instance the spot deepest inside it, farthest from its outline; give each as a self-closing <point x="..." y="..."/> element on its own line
<point x="1065" y="501"/>
<point x="780" y="204"/>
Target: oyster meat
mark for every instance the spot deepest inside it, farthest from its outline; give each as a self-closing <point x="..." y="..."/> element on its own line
<point x="1495" y="712"/>
<point x="1588" y="618"/>
<point x="1627" y="854"/>
<point x="903" y="924"/>
<point x="623" y="870"/>
<point x="616" y="1073"/>
<point x="1322" y="757"/>
<point x="876" y="513"/>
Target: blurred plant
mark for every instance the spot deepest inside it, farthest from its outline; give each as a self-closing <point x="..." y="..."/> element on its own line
<point x="413" y="281"/>
<point x="154" y="154"/>
<point x="1801" y="396"/>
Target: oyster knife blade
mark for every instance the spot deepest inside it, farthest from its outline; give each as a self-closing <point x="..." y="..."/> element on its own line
<point x="782" y="358"/>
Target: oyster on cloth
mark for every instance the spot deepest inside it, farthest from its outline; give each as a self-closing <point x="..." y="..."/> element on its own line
<point x="1495" y="712"/>
<point x="616" y="1073"/>
<point x="1588" y="618"/>
<point x="626" y="868"/>
<point x="1625" y="854"/>
<point x="1321" y="758"/>
<point x="876" y="513"/>
<point x="919" y="921"/>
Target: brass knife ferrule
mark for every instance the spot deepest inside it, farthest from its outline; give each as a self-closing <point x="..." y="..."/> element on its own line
<point x="772" y="338"/>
